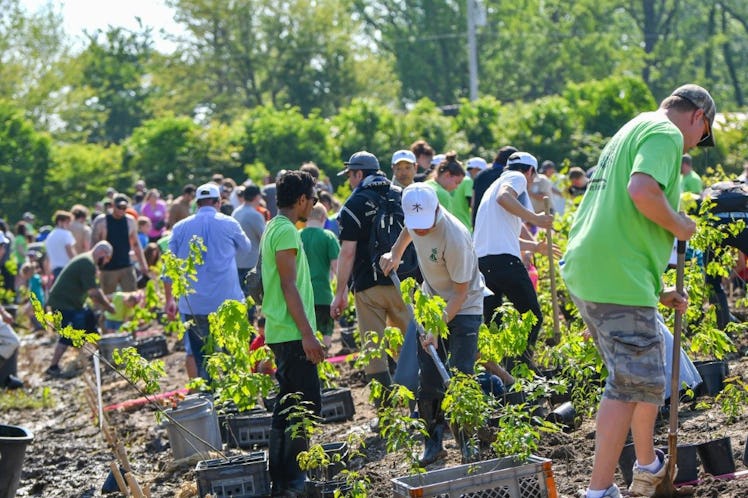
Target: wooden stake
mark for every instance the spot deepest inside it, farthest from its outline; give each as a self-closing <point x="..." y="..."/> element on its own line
<point x="137" y="492"/>
<point x="552" y="273"/>
<point x="118" y="477"/>
<point x="122" y="455"/>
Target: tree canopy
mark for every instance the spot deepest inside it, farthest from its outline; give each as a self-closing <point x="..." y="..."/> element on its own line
<point x="255" y="86"/>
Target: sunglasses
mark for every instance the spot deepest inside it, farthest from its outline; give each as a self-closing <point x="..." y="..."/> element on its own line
<point x="708" y="132"/>
<point x="313" y="198"/>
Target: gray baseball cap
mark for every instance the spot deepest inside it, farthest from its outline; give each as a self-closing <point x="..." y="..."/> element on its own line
<point x="699" y="97"/>
<point x="361" y="160"/>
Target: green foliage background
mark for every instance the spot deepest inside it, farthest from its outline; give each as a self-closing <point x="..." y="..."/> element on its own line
<point x="256" y="86"/>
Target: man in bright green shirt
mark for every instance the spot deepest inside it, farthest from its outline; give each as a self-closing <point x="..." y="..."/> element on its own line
<point x="619" y="245"/>
<point x="689" y="180"/>
<point x="462" y="195"/>
<point x="322" y="250"/>
<point x="288" y="306"/>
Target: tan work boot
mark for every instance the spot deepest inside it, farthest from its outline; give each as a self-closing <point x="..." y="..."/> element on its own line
<point x="644" y="483"/>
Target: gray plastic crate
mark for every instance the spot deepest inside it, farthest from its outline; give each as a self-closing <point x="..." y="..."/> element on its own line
<point x="244" y="476"/>
<point x="337" y="405"/>
<point x="498" y="478"/>
<point x="246" y="430"/>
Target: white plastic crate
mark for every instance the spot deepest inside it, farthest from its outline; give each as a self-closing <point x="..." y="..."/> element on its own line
<point x="498" y="478"/>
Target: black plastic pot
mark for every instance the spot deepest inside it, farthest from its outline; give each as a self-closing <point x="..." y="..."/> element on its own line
<point x="626" y="463"/>
<point x="326" y="489"/>
<point x="713" y="375"/>
<point x="564" y="415"/>
<point x="13" y="442"/>
<point x="688" y="468"/>
<point x="716" y="456"/>
<point x="688" y="465"/>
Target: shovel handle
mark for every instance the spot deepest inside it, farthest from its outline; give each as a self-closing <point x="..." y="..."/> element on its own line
<point x="675" y="374"/>
<point x="421" y="333"/>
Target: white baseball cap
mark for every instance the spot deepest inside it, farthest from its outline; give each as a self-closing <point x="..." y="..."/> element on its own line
<point x="208" y="191"/>
<point x="403" y="155"/>
<point x="419" y="206"/>
<point x="437" y="159"/>
<point x="476" y="163"/>
<point x="522" y="159"/>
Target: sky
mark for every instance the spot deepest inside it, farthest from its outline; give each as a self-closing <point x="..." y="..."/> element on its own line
<point x="90" y="15"/>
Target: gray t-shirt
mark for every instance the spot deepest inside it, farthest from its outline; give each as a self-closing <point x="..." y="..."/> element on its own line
<point x="253" y="224"/>
<point x="446" y="256"/>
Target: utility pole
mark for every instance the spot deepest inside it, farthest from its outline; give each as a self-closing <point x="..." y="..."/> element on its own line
<point x="476" y="16"/>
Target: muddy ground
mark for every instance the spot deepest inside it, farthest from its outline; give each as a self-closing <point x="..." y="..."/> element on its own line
<point x="70" y="458"/>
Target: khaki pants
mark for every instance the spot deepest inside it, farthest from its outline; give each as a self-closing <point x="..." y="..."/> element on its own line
<point x="375" y="307"/>
<point x="125" y="277"/>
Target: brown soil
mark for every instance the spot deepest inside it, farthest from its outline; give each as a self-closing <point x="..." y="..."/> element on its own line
<point x="69" y="457"/>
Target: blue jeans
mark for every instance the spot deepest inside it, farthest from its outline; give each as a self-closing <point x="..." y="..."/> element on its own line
<point x="295" y="374"/>
<point x="461" y="346"/>
<point x="196" y="336"/>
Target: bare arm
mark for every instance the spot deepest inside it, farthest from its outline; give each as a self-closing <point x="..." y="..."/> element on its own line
<point x="99" y="298"/>
<point x="286" y="262"/>
<point x="507" y="199"/>
<point x="345" y="264"/>
<point x="458" y="299"/>
<point x="98" y="230"/>
<point x="649" y="199"/>
<point x="70" y="249"/>
<point x="391" y="260"/>
<point x="135" y="245"/>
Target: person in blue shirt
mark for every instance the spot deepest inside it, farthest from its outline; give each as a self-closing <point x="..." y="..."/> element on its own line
<point x="217" y="279"/>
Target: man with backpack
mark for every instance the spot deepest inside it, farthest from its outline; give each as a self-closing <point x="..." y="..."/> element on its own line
<point x="370" y="222"/>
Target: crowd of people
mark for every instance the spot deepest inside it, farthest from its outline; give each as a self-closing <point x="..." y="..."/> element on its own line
<point x="472" y="227"/>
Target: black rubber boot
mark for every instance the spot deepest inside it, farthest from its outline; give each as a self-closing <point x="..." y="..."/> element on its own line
<point x="276" y="465"/>
<point x="385" y="379"/>
<point x="431" y="412"/>
<point x="296" y="478"/>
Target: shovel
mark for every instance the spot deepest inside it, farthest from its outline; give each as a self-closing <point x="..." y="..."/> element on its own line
<point x="666" y="489"/>
<point x="421" y="333"/>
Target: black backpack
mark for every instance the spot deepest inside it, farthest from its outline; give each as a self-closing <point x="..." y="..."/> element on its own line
<point x="386" y="226"/>
<point x="728" y="196"/>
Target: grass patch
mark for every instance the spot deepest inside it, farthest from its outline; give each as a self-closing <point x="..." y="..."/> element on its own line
<point x="19" y="399"/>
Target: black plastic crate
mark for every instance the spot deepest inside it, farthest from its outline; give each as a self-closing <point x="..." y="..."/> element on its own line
<point x="337" y="452"/>
<point x="244" y="476"/>
<point x="246" y="429"/>
<point x="152" y="347"/>
<point x="337" y="405"/>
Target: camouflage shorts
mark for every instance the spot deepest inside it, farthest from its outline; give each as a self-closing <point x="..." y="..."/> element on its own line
<point x="632" y="349"/>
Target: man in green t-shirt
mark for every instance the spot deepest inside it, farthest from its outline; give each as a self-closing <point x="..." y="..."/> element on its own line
<point x="619" y="245"/>
<point x="462" y="195"/>
<point x="76" y="283"/>
<point x="690" y="181"/>
<point x="322" y="250"/>
<point x="288" y="306"/>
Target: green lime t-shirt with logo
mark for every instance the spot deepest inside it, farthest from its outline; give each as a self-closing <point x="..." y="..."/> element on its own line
<point x="280" y="234"/>
<point x="615" y="254"/>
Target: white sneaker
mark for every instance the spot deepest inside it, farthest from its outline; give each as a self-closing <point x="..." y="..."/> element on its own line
<point x="611" y="492"/>
<point x="644" y="483"/>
